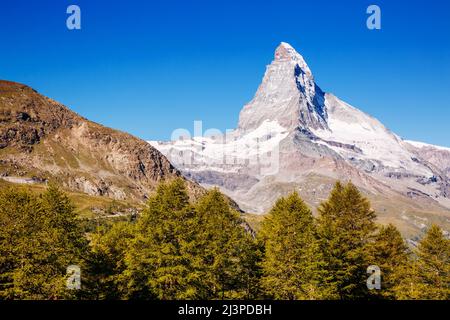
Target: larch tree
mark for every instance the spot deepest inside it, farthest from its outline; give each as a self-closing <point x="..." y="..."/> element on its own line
<point x="346" y="227"/>
<point x="106" y="261"/>
<point x="225" y="252"/>
<point x="293" y="265"/>
<point x="390" y="253"/>
<point x="428" y="277"/>
<point x="44" y="238"/>
<point x="159" y="264"/>
<point x="19" y="215"/>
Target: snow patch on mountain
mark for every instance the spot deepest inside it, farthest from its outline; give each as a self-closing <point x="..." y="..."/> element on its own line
<point x="351" y="126"/>
<point x="226" y="153"/>
<point x="419" y="145"/>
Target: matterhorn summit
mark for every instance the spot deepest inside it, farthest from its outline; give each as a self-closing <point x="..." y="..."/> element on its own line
<point x="293" y="136"/>
<point x="287" y="94"/>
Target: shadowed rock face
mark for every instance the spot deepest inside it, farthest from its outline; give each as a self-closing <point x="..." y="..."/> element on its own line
<point x="42" y="138"/>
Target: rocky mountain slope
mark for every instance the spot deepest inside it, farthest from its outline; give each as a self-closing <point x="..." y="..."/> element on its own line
<point x="294" y="136"/>
<point x="40" y="139"/>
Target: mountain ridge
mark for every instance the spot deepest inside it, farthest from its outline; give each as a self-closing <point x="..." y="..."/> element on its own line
<point x="43" y="140"/>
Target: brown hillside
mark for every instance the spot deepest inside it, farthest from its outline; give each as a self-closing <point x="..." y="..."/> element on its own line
<point x="41" y="139"/>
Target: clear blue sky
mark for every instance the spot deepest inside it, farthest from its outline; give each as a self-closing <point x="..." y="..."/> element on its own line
<point x="148" y="67"/>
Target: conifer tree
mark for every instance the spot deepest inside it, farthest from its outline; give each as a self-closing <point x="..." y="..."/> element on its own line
<point x="428" y="277"/>
<point x="225" y="252"/>
<point x="43" y="237"/>
<point x="60" y="242"/>
<point x="61" y="218"/>
<point x="19" y="216"/>
<point x="106" y="261"/>
<point x="390" y="253"/>
<point x="345" y="227"/>
<point x="292" y="264"/>
<point x="434" y="263"/>
<point x="159" y="263"/>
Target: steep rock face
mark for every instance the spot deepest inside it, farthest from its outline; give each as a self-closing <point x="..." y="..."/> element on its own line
<point x="43" y="139"/>
<point x="287" y="94"/>
<point x="293" y="136"/>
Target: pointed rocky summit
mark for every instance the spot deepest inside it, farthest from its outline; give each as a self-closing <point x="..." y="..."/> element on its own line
<point x="287" y="94"/>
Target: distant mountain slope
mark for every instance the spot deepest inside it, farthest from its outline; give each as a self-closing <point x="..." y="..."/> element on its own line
<point x="436" y="155"/>
<point x="41" y="139"/>
<point x="294" y="136"/>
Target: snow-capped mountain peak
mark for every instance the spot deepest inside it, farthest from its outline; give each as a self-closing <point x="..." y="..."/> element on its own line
<point x="285" y="52"/>
<point x="294" y="135"/>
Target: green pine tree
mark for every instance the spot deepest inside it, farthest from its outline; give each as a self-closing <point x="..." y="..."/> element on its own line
<point x="19" y="216"/>
<point x="345" y="227"/>
<point x="224" y="251"/>
<point x="106" y="261"/>
<point x="41" y="237"/>
<point x="428" y="277"/>
<point x="292" y="264"/>
<point x="390" y="253"/>
<point x="159" y="262"/>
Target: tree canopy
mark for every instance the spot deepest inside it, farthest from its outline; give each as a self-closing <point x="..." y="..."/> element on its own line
<point x="178" y="249"/>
